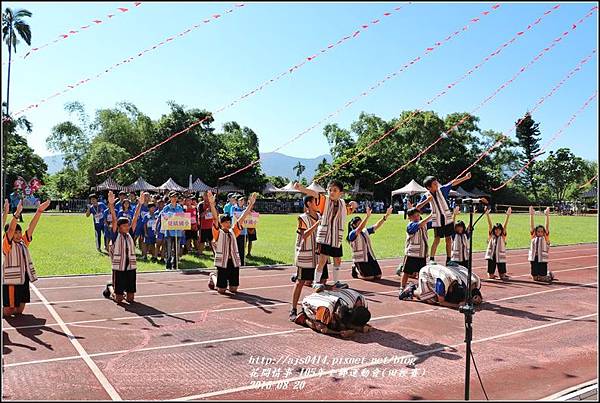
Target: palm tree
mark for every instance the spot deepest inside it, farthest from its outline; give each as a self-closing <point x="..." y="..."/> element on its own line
<point x="13" y="24"/>
<point x="299" y="168"/>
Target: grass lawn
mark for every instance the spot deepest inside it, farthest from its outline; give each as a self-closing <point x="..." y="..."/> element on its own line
<point x="64" y="243"/>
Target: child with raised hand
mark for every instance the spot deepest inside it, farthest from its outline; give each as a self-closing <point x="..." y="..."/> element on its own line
<point x="415" y="249"/>
<point x="227" y="257"/>
<point x="460" y="241"/>
<point x="122" y="253"/>
<point x="5" y="211"/>
<point x="17" y="267"/>
<point x="496" y="249"/>
<point x="539" y="248"/>
<point x="365" y="264"/>
<point x="330" y="232"/>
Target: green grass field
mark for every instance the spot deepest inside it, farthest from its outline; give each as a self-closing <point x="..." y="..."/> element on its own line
<point x="64" y="244"/>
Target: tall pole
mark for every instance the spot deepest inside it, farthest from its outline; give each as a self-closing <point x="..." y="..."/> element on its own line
<point x="469" y="309"/>
<point x="10" y="39"/>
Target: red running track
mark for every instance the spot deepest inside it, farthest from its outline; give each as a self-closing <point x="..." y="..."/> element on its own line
<point x="182" y="341"/>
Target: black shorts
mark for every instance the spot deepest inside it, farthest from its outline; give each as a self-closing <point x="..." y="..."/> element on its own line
<point x="445" y="231"/>
<point x="309" y="274"/>
<point x="124" y="281"/>
<point x="15" y="295"/>
<point x="414" y="264"/>
<point x="191" y="234"/>
<point x="329" y="250"/>
<point x="206" y="235"/>
<point x="251" y="234"/>
<point x="539" y="268"/>
<point x="370" y="268"/>
<point x="228" y="276"/>
<point x="492" y="267"/>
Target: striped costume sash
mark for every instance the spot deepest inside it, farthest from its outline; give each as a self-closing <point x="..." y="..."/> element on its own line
<point x="416" y="244"/>
<point x="460" y="248"/>
<point x="305" y="255"/>
<point x="226" y="248"/>
<point x="539" y="247"/>
<point x="496" y="249"/>
<point x="361" y="247"/>
<point x="439" y="208"/>
<point x="321" y="306"/>
<point x="16" y="263"/>
<point x="331" y="230"/>
<point x="118" y="253"/>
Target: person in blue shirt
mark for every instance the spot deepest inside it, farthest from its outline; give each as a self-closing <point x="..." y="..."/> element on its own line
<point x="138" y="233"/>
<point x="442" y="219"/>
<point x="169" y="235"/>
<point x="149" y="232"/>
<point x="122" y="196"/>
<point x="126" y="210"/>
<point x="239" y="208"/>
<point x="232" y="201"/>
<point x="108" y="233"/>
<point x="364" y="262"/>
<point x="96" y="209"/>
<point x="160" y="236"/>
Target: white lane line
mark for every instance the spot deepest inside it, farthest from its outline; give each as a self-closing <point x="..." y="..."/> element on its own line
<point x="287" y="268"/>
<point x="370" y="293"/>
<point x="258" y="335"/>
<point x="360" y="366"/>
<point x="267" y="287"/>
<point x="108" y="387"/>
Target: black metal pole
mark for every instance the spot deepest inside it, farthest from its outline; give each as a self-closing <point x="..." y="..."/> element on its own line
<point x="468" y="312"/>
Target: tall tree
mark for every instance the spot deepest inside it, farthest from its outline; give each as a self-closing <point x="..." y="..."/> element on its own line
<point x="13" y="23"/>
<point x="560" y="170"/>
<point x="528" y="134"/>
<point x="299" y="168"/>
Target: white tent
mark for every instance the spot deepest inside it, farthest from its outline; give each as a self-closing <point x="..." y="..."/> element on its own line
<point x="413" y="188"/>
<point x="316" y="187"/>
<point x="289" y="188"/>
<point x="199" y="186"/>
<point x="270" y="188"/>
<point x="141" y="185"/>
<point x="109" y="184"/>
<point x="171" y="185"/>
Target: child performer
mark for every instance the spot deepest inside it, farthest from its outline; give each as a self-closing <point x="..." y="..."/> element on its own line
<point x="415" y="249"/>
<point x="330" y="232"/>
<point x="460" y="241"/>
<point x="364" y="262"/>
<point x="227" y="257"/>
<point x="306" y="256"/>
<point x="496" y="249"/>
<point x="539" y="248"/>
<point x="122" y="253"/>
<point x="442" y="222"/>
<point x="17" y="266"/>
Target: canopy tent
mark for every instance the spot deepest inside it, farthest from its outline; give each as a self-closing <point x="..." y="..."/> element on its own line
<point x="141" y="185"/>
<point x="356" y="190"/>
<point x="289" y="188"/>
<point x="590" y="194"/>
<point x="171" y="185"/>
<point x="109" y="184"/>
<point x="199" y="186"/>
<point x="229" y="187"/>
<point x="411" y="189"/>
<point x="478" y="193"/>
<point x="316" y="187"/>
<point x="270" y="188"/>
<point x="463" y="193"/>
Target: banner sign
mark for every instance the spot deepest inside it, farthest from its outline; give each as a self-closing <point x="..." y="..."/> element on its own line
<point x="251" y="220"/>
<point x="176" y="222"/>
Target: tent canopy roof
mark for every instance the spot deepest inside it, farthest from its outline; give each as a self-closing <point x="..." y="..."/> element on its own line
<point x="199" y="186"/>
<point x="170" y="184"/>
<point x="109" y="184"/>
<point x="140" y="185"/>
<point x="316" y="187"/>
<point x="412" y="188"/>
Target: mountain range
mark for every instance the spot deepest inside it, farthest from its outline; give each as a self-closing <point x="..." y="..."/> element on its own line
<point x="273" y="164"/>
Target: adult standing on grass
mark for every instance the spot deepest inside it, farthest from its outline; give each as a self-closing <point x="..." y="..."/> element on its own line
<point x="206" y="224"/>
<point x="170" y="235"/>
<point x="96" y="209"/>
<point x="17" y="268"/>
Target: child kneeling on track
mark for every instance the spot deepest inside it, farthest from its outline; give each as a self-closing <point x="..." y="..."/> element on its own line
<point x="415" y="250"/>
<point x="443" y="285"/>
<point x="306" y="254"/>
<point x="496" y="249"/>
<point x="539" y="248"/>
<point x="122" y="253"/>
<point x="17" y="266"/>
<point x="227" y="257"/>
<point x="364" y="262"/>
<point x="337" y="312"/>
<point x="460" y="241"/>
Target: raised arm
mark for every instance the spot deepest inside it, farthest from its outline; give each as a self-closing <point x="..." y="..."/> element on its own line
<point x="5" y="212"/>
<point x="531" y="224"/>
<point x="111" y="207"/>
<point x="213" y="209"/>
<point x="308" y="232"/>
<point x="143" y="199"/>
<point x="424" y="222"/>
<point x="462" y="179"/>
<point x="13" y="223"/>
<point x="423" y="203"/>
<point x="455" y="213"/>
<point x="300" y="188"/>
<point x="248" y="209"/>
<point x="385" y="217"/>
<point x="508" y="213"/>
<point x="36" y="217"/>
<point x="88" y="211"/>
<point x="489" y="219"/>
<point x="363" y="223"/>
<point x="547" y="220"/>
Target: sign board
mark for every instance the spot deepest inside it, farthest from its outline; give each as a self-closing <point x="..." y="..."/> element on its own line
<point x="176" y="222"/>
<point x="251" y="220"/>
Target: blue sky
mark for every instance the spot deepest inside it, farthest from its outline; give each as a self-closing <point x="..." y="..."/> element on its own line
<point x="220" y="61"/>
